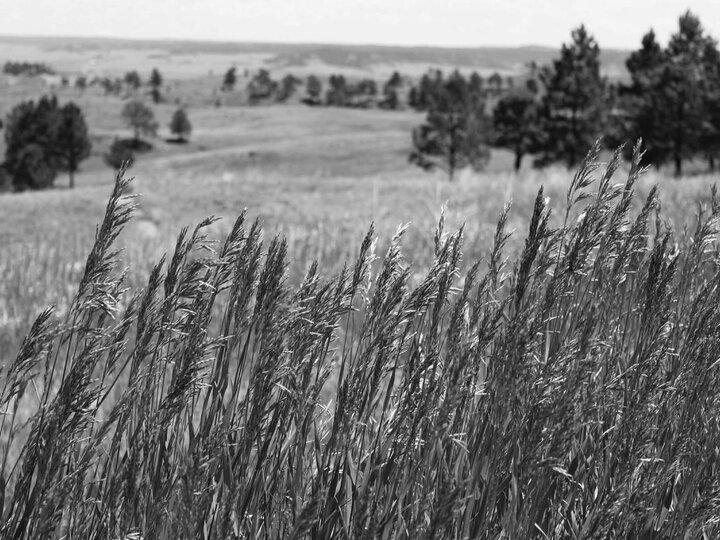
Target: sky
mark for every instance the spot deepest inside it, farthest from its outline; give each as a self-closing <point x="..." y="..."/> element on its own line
<point x="451" y="23"/>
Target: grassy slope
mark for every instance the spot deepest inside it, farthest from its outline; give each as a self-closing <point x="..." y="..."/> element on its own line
<point x="320" y="176"/>
<point x="191" y="59"/>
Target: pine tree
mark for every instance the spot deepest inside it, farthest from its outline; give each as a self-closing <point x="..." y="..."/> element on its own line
<point x="156" y="82"/>
<point x="455" y="132"/>
<point x="572" y="108"/>
<point x="132" y="80"/>
<point x="288" y="85"/>
<point x="450" y="142"/>
<point x="390" y="92"/>
<point x="180" y="125"/>
<point x="641" y="113"/>
<point x="72" y="143"/>
<point x="674" y="94"/>
<point x="313" y="89"/>
<point x="516" y="125"/>
<point x="31" y="135"/>
<point x="685" y="87"/>
<point x="156" y="79"/>
<point x="229" y="80"/>
<point x="261" y="87"/>
<point x="337" y="95"/>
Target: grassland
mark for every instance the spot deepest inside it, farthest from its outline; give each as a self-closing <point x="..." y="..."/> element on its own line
<point x="568" y="391"/>
<point x="319" y="176"/>
<point x="565" y="386"/>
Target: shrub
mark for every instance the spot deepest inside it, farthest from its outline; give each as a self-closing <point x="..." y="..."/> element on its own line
<point x="572" y="393"/>
<point x="119" y="153"/>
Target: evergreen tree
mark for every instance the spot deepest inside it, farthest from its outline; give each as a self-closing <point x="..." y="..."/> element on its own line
<point x="337" y="95"/>
<point x="313" y="89"/>
<point x="73" y="143"/>
<point x="288" y="85"/>
<point x="132" y="80"/>
<point x="710" y="138"/>
<point x="640" y="109"/>
<point x="516" y="125"/>
<point x="685" y="87"/>
<point x="572" y="108"/>
<point x="495" y="83"/>
<point x="672" y="101"/>
<point x="81" y="83"/>
<point x="261" y="87"/>
<point x="180" y="125"/>
<point x="229" y="80"/>
<point x="31" y="135"/>
<point x="455" y="132"/>
<point x="156" y="79"/>
<point x="450" y="142"/>
<point x="155" y="83"/>
<point x="476" y="83"/>
<point x="390" y="92"/>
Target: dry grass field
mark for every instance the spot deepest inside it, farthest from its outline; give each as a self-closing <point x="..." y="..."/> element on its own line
<point x="542" y="393"/>
<point x="320" y="176"/>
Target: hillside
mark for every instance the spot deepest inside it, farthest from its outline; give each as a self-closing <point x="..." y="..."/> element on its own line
<point x="194" y="58"/>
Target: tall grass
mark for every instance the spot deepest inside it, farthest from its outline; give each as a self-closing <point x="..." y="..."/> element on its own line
<point x="570" y="393"/>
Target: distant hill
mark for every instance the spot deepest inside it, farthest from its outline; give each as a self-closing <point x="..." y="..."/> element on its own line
<point x="359" y="59"/>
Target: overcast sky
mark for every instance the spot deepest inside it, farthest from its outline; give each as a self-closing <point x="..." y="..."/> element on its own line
<point x="615" y="23"/>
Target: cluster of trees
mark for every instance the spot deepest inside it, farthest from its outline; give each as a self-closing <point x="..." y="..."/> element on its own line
<point x="672" y="102"/>
<point x="364" y="93"/>
<point x="44" y="138"/>
<point x="141" y="120"/>
<point x="131" y="82"/>
<point x="30" y="69"/>
<point x="41" y="139"/>
<point x="431" y="83"/>
<point x="262" y="88"/>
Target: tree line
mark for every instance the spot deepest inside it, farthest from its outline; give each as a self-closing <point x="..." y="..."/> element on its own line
<point x="43" y="138"/>
<point x="671" y="102"/>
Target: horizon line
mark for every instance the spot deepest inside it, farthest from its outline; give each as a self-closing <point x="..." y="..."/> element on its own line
<point x="210" y="41"/>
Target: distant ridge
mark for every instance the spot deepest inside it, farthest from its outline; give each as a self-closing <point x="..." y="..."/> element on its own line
<point x="486" y="58"/>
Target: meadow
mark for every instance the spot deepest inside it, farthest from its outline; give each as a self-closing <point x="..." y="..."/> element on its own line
<point x="319" y="176"/>
<point x="384" y="354"/>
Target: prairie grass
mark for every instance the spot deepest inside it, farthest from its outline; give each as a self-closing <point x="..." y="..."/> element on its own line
<point x="567" y="389"/>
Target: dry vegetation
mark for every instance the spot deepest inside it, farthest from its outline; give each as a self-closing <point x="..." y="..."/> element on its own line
<point x="571" y="391"/>
<point x="287" y="379"/>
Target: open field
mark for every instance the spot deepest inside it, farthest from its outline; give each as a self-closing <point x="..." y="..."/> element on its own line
<point x="188" y="59"/>
<point x="319" y="176"/>
<point x="565" y="386"/>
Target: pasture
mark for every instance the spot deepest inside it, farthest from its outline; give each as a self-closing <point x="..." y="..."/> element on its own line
<point x="543" y="392"/>
<point x="319" y="176"/>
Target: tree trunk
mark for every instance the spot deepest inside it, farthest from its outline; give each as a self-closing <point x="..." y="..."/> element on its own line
<point x="72" y="178"/>
<point x="711" y="163"/>
<point x="678" y="166"/>
<point x="518" y="160"/>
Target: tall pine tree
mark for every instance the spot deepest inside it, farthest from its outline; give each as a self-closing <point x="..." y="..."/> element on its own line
<point x="572" y="108"/>
<point x="641" y="104"/>
<point x="73" y="143"/>
<point x="683" y="89"/>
